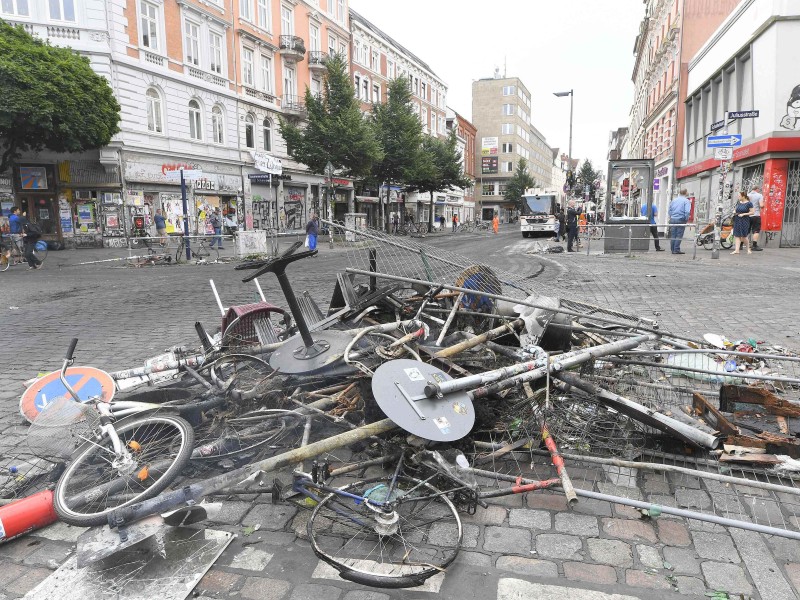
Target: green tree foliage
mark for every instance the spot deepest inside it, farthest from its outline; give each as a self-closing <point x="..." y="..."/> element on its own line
<point x="399" y="132"/>
<point x="587" y="176"/>
<point x="521" y="181"/>
<point x="336" y="130"/>
<point x="438" y="168"/>
<point x="50" y="98"/>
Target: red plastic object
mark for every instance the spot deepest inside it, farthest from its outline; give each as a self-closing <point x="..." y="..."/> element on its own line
<point x="23" y="516"/>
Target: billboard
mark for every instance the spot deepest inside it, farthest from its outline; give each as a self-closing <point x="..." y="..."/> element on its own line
<point x="489" y="165"/>
<point x="489" y="146"/>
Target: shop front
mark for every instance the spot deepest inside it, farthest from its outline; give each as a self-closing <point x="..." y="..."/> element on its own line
<point x="36" y="194"/>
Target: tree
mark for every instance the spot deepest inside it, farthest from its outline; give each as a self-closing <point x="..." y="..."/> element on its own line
<point x="587" y="177"/>
<point x="336" y="130"/>
<point x="50" y="98"/>
<point x="399" y="132"/>
<point x="521" y="181"/>
<point x="438" y="168"/>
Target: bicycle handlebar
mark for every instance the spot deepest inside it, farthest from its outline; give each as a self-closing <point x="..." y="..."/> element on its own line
<point x="71" y="349"/>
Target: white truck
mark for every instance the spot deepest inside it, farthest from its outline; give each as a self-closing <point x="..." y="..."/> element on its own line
<point x="538" y="214"/>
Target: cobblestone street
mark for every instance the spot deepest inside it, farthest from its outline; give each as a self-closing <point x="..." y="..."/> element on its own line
<point x="522" y="546"/>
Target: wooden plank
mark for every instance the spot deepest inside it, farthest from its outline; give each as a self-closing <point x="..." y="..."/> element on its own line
<point x="704" y="407"/>
<point x="752" y="459"/>
<point x="730" y="394"/>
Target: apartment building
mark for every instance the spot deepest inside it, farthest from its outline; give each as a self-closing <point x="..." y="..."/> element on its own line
<point x="746" y="67"/>
<point x="501" y="113"/>
<point x="669" y="35"/>
<point x="459" y="201"/>
<point x="201" y="84"/>
<point x="540" y="163"/>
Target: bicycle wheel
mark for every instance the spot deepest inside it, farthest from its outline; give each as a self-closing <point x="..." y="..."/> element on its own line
<point x="243" y="375"/>
<point x="372" y="349"/>
<point x="229" y="433"/>
<point x="726" y="242"/>
<point x="597" y="233"/>
<point x="97" y="482"/>
<point x="5" y="261"/>
<point x="40" y="250"/>
<point x="212" y="252"/>
<point x="388" y="541"/>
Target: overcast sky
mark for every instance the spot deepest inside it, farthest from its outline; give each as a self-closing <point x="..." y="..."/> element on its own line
<point x="552" y="45"/>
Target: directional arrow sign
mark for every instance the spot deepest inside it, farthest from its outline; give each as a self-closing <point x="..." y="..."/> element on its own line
<point x="724" y="141"/>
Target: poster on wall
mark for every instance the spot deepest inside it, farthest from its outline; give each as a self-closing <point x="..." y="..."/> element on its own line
<point x="85" y="217"/>
<point x="172" y="209"/>
<point x="205" y="206"/>
<point x="65" y="216"/>
<point x="489" y="146"/>
<point x="33" y="178"/>
<point x="6" y="206"/>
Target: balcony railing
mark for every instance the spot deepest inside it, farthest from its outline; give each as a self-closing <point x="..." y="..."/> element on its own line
<point x="293" y="105"/>
<point x="210" y="77"/>
<point x="69" y="33"/>
<point x="292" y="46"/>
<point x="155" y="59"/>
<point x="259" y="95"/>
<point x="317" y="59"/>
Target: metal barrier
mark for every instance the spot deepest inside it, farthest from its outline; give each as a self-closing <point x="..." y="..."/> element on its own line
<point x="630" y="237"/>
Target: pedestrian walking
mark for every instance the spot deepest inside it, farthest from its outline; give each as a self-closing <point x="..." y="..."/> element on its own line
<point x="312" y="231"/>
<point x="495" y="223"/>
<point x="161" y="227"/>
<point x="31" y="233"/>
<point x="679" y="210"/>
<point x="215" y="220"/>
<point x="572" y="225"/>
<point x="755" y="220"/>
<point x="741" y="223"/>
<point x="455" y="222"/>
<point x="15" y="221"/>
<point x="562" y="224"/>
<point x="395" y="222"/>
<point x="653" y="228"/>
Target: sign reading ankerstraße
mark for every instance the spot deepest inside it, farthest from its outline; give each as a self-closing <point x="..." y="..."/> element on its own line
<point x="267" y="163"/>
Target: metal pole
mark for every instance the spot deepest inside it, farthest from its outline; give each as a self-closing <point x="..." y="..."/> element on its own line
<point x="630" y="235"/>
<point x="185" y="218"/>
<point x="569" y="157"/>
<point x="723" y="178"/>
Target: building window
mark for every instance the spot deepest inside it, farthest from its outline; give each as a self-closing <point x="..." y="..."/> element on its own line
<point x="357" y="84"/>
<point x="487" y="189"/>
<point x="246" y="9"/>
<point x="264" y="11"/>
<point x="154" y="117"/>
<point x="195" y="120"/>
<point x="424" y="119"/>
<point x="217" y="125"/>
<point x="376" y="93"/>
<point x="148" y="14"/>
<point x="215" y="47"/>
<point x="508" y="147"/>
<point x="331" y="44"/>
<point x="507" y="166"/>
<point x="15" y="7"/>
<point x="289" y="81"/>
<point x="313" y="38"/>
<point x="501" y="189"/>
<point x="376" y="61"/>
<point x="365" y="90"/>
<point x="390" y="69"/>
<point x="267" y="135"/>
<point x="423" y="90"/>
<point x="339" y="10"/>
<point x="247" y="66"/>
<point x="508" y="90"/>
<point x="507" y="128"/>
<point x="266" y="73"/>
<point x="287" y="21"/>
<point x="61" y="10"/>
<point x="192" y="32"/>
<point x="250" y="131"/>
<point x="508" y="109"/>
<point x="316" y="88"/>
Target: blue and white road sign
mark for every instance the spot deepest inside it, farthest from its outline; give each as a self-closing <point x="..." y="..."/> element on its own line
<point x="724" y="141"/>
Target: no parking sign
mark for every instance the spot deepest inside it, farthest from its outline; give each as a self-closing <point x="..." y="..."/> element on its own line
<point x="87" y="382"/>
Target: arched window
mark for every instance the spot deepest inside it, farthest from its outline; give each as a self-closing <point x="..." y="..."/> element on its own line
<point x="217" y="125"/>
<point x="195" y="120"/>
<point x="250" y="131"/>
<point x="155" y="121"/>
<point x="267" y="135"/>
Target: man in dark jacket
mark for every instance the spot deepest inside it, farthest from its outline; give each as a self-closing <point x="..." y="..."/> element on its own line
<point x="572" y="225"/>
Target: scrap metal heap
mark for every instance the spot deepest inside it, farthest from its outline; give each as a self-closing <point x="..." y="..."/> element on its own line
<point x="487" y="368"/>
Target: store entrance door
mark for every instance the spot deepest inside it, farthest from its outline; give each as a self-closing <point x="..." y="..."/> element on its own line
<point x="43" y="210"/>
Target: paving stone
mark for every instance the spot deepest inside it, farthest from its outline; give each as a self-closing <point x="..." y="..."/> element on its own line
<point x="475" y="559"/>
<point x="575" y="524"/>
<point x="264" y="588"/>
<point x="793" y="571"/>
<point x="765" y="511"/>
<point x="673" y="533"/>
<point x="622" y="491"/>
<point x="628" y="529"/>
<point x="690" y="586"/>
<point x="50" y="554"/>
<point x="272" y="517"/>
<point x="726" y="578"/>
<point x="622" y="511"/>
<point x="365" y="595"/>
<point x="784" y="548"/>
<point x="610" y="552"/>
<point x="694" y="499"/>
<point x="231" y="513"/>
<point x="508" y="540"/>
<point x="446" y="534"/>
<point x="218" y="582"/>
<point x="251" y="558"/>
<point x="28" y="580"/>
<point x="19" y="548"/>
<point x="537" y="520"/>
<point x="643" y="579"/>
<point x="315" y="591"/>
<point x="649" y="556"/>
<point x="557" y="545"/>
<point x="715" y="546"/>
<point x="527" y="566"/>
<point x="60" y="531"/>
<point x="590" y="506"/>
<point x="493" y="515"/>
<point x="519" y="589"/>
<point x="683" y="560"/>
<point x="696" y="525"/>
<point x="600" y="574"/>
<point x="9" y="572"/>
<point x="546" y="500"/>
<point x="762" y="568"/>
<point x="621" y="476"/>
<point x="683" y="480"/>
<point x="510" y="501"/>
<point x="656" y="486"/>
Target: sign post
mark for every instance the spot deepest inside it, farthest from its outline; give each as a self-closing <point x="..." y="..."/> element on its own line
<point x="723" y="177"/>
<point x="185" y="218"/>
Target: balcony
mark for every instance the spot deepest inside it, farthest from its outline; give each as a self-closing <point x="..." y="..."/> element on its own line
<point x="292" y="48"/>
<point x="317" y="60"/>
<point x="293" y="105"/>
<point x="263" y="96"/>
<point x="209" y="77"/>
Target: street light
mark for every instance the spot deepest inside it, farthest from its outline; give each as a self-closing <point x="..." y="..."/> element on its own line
<point x="329" y="182"/>
<point x="571" y="96"/>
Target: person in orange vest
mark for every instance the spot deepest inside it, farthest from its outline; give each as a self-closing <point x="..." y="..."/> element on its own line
<point x="496" y="223"/>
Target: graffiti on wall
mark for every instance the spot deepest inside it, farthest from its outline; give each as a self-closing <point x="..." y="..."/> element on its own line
<point x="263" y="213"/>
<point x="791" y="119"/>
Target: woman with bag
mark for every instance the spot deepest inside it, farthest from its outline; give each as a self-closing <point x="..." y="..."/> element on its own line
<point x="312" y="231"/>
<point x="741" y="222"/>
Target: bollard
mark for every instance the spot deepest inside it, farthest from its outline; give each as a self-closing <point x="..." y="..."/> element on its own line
<point x="630" y="236"/>
<point x="694" y="246"/>
<point x="373" y="267"/>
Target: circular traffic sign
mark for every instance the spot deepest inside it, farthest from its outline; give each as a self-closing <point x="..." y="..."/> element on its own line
<point x="87" y="382"/>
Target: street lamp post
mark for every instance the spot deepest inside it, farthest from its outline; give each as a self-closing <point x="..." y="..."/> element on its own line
<point x="571" y="96"/>
<point x="328" y="183"/>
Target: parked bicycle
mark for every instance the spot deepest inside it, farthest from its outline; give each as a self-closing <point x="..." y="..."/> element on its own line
<point x="12" y="253"/>
<point x="200" y="250"/>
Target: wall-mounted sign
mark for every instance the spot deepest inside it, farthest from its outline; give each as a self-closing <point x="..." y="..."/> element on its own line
<point x="489" y="165"/>
<point x="267" y="163"/>
<point x="489" y="146"/>
<point x="205" y="184"/>
<point x="33" y="178"/>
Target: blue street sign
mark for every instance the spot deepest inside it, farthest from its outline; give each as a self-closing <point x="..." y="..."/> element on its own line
<point x="717" y="125"/>
<point x="724" y="141"/>
<point x="743" y="114"/>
